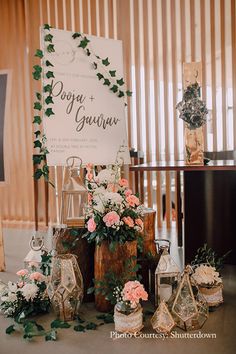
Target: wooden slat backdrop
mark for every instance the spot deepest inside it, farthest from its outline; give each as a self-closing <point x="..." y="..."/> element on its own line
<point x="158" y="36"/>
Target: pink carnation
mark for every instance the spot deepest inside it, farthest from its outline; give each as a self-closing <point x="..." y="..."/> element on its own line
<point x="139" y="222"/>
<point x="123" y="182"/>
<point x="21" y="284"/>
<point x="132" y="200"/>
<point x="128" y="221"/>
<point x="37" y="276"/>
<point x="134" y="292"/>
<point x="22" y="272"/>
<point x="111" y="218"/>
<point x="128" y="192"/>
<point x="91" y="225"/>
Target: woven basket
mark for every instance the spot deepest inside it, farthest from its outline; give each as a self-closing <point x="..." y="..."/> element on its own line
<point x="131" y="323"/>
<point x="212" y="295"/>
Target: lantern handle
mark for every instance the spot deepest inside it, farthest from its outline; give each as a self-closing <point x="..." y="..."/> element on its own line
<point x="36" y="248"/>
<point x="73" y="158"/>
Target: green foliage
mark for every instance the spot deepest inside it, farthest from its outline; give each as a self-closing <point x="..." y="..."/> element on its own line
<point x="106" y="82"/>
<point x="46" y="261"/>
<point x="120" y="82"/>
<point x="49" y="100"/>
<point x="128" y="93"/>
<point x="88" y="52"/>
<point x="50" y="74"/>
<point x="79" y="328"/>
<point x="207" y="255"/>
<point x="59" y="324"/>
<point x="39" y="53"/>
<point x="47" y="26"/>
<point x="37" y="106"/>
<point x="121" y="94"/>
<point x="106" y="317"/>
<point x="105" y="62"/>
<point x="37" y="120"/>
<point x="100" y="76"/>
<point x="84" y="42"/>
<point x="39" y="96"/>
<point x="48" y="37"/>
<point x="48" y="63"/>
<point x="76" y="35"/>
<point x="50" y="48"/>
<point x="37" y="133"/>
<point x="112" y="73"/>
<point x="10" y="329"/>
<point x="114" y="88"/>
<point x="49" y="112"/>
<point x="37" y="144"/>
<point x="51" y="336"/>
<point x="37" y="159"/>
<point x="47" y="88"/>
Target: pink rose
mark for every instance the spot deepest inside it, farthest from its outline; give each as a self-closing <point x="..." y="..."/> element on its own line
<point x="89" y="176"/>
<point x="37" y="276"/>
<point x="134" y="291"/>
<point x="22" y="272"/>
<point x="132" y="200"/>
<point x="139" y="222"/>
<point x="123" y="182"/>
<point x="128" y="192"/>
<point x="91" y="225"/>
<point x="111" y="218"/>
<point x="128" y="221"/>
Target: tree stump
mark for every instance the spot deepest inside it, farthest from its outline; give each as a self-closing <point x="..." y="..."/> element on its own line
<point x="106" y="261"/>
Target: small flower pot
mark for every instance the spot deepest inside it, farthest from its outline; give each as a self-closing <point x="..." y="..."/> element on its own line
<point x="213" y="294"/>
<point x="131" y="323"/>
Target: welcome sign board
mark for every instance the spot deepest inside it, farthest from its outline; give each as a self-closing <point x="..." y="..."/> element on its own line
<point x="89" y="119"/>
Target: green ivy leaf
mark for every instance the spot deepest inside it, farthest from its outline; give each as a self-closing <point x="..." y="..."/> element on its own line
<point x="79" y="328"/>
<point x="90" y="290"/>
<point x="37" y="68"/>
<point x="114" y="88"/>
<point x="51" y="336"/>
<point x="48" y="37"/>
<point x="73" y="232"/>
<point x="47" y="88"/>
<point x="84" y="42"/>
<point x="48" y="63"/>
<point x="37" y="144"/>
<point x="97" y="56"/>
<point x="88" y="52"/>
<point x="37" y="133"/>
<point x="100" y="76"/>
<point x="79" y="320"/>
<point x="76" y="35"/>
<point x="129" y="93"/>
<point x="60" y="324"/>
<point x="91" y="326"/>
<point x="39" y="53"/>
<point x="112" y="73"/>
<point x="95" y="65"/>
<point x="37" y="159"/>
<point x="37" y="120"/>
<point x="105" y="62"/>
<point x="38" y="173"/>
<point x="49" y="74"/>
<point x="38" y="106"/>
<point x="120" y="82"/>
<point x="49" y="112"/>
<point x="106" y="82"/>
<point x="38" y="95"/>
<point x="49" y="100"/>
<point x="47" y="26"/>
<point x="10" y="329"/>
<point x="36" y="75"/>
<point x="50" y="48"/>
<point x="121" y="94"/>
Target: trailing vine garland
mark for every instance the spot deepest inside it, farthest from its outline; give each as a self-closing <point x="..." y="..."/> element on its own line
<point x="106" y="77"/>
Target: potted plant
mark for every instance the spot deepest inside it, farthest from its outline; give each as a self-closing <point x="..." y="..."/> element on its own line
<point x="128" y="314"/>
<point x="209" y="284"/>
<point x="114" y="221"/>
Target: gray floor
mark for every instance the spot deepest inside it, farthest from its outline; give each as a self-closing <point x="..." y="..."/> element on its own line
<point x="221" y="322"/>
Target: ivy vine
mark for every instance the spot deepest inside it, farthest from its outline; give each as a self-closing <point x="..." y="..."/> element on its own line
<point x="104" y="75"/>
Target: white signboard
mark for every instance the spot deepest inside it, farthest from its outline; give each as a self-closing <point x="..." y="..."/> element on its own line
<point x="89" y="119"/>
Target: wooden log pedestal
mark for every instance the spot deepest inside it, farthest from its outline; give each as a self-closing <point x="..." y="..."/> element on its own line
<point x="2" y="255"/>
<point x="70" y="240"/>
<point x="149" y="257"/>
<point x="107" y="261"/>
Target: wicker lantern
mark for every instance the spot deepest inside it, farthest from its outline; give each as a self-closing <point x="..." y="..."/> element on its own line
<point x="74" y="195"/>
<point x="65" y="288"/>
<point x="167" y="276"/>
<point x="162" y="320"/>
<point x="188" y="313"/>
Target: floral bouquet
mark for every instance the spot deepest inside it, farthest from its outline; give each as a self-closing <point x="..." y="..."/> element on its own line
<point x="209" y="284"/>
<point x="128" y="316"/>
<point x="114" y="213"/>
<point x="26" y="297"/>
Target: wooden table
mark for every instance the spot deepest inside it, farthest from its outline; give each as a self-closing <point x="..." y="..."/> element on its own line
<point x="198" y="194"/>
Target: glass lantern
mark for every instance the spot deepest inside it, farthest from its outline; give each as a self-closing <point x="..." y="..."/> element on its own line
<point x="162" y="320"/>
<point x="189" y="313"/>
<point x="65" y="288"/>
<point x="36" y="250"/>
<point x="74" y="195"/>
<point x="167" y="276"/>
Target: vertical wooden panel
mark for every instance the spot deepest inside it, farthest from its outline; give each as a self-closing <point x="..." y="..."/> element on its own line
<point x="223" y="76"/>
<point x="213" y="74"/>
<point x="192" y="26"/>
<point x="233" y="29"/>
<point x="203" y="60"/>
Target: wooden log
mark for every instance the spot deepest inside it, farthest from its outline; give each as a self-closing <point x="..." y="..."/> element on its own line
<point x="149" y="247"/>
<point x="2" y="255"/>
<point x="106" y="261"/>
<point x="71" y="240"/>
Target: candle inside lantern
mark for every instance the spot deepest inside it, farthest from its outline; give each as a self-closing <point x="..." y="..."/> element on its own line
<point x="165" y="291"/>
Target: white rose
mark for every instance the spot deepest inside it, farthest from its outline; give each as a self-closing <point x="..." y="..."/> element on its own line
<point x="106" y="176"/>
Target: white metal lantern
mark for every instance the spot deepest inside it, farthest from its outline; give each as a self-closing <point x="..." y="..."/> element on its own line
<point x="167" y="277"/>
<point x="74" y="195"/>
<point x="36" y="250"/>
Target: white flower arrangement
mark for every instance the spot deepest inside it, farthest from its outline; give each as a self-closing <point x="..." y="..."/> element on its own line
<point x="206" y="275"/>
